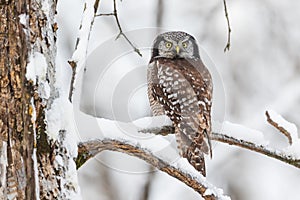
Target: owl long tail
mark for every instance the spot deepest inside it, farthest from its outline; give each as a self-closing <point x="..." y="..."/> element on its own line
<point x="196" y="158"/>
<point x="194" y="152"/>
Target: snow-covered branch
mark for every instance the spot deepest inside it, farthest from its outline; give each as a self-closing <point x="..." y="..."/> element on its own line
<point x="238" y="135"/>
<point x="79" y="55"/>
<point x="156" y="150"/>
<point x="116" y="137"/>
<point x="177" y="169"/>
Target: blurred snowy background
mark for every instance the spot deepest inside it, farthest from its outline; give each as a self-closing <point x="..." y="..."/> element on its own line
<point x="261" y="70"/>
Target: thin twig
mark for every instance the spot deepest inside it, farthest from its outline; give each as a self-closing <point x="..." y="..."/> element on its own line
<point x="278" y="127"/>
<point x="196" y="182"/>
<point x="109" y="187"/>
<point x="121" y="33"/>
<point x="160" y="11"/>
<point x="147" y="187"/>
<point x="104" y="14"/>
<point x="227" y="47"/>
<point x="73" y="65"/>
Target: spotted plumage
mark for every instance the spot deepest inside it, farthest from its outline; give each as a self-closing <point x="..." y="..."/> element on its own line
<point x="180" y="86"/>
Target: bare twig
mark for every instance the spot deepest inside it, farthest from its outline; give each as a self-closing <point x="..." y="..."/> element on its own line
<point x="109" y="187"/>
<point x="147" y="187"/>
<point x="227" y="47"/>
<point x="165" y="130"/>
<point x="198" y="183"/>
<point x="280" y="128"/>
<point x="159" y="14"/>
<point x="121" y="33"/>
<point x="104" y="14"/>
<point x="73" y="65"/>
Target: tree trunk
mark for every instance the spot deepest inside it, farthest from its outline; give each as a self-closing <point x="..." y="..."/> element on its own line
<point x="32" y="164"/>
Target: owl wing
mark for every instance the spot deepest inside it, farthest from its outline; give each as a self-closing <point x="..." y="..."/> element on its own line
<point x="196" y="123"/>
<point x="201" y="81"/>
<point x="153" y="87"/>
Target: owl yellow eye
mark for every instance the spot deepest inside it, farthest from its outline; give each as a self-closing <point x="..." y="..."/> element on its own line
<point x="184" y="45"/>
<point x="168" y="44"/>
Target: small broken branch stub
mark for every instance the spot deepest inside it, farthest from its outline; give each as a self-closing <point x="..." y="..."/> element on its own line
<point x="280" y="128"/>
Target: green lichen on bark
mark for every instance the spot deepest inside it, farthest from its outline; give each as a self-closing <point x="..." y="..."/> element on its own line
<point x="83" y="155"/>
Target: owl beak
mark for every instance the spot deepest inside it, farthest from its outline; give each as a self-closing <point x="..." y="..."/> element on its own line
<point x="177" y="49"/>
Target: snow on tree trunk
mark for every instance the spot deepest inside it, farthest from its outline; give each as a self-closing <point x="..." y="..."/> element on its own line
<point x="36" y="159"/>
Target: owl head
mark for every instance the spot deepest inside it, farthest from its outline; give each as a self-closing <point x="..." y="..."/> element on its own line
<point x="175" y="44"/>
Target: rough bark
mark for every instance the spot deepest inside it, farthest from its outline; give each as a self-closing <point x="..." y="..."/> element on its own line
<point x="28" y="27"/>
<point x="16" y="137"/>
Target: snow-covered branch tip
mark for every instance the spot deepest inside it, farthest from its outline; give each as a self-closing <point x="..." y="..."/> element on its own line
<point x="262" y="149"/>
<point x="79" y="55"/>
<point x="274" y="120"/>
<point x="121" y="33"/>
<point x="193" y="179"/>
